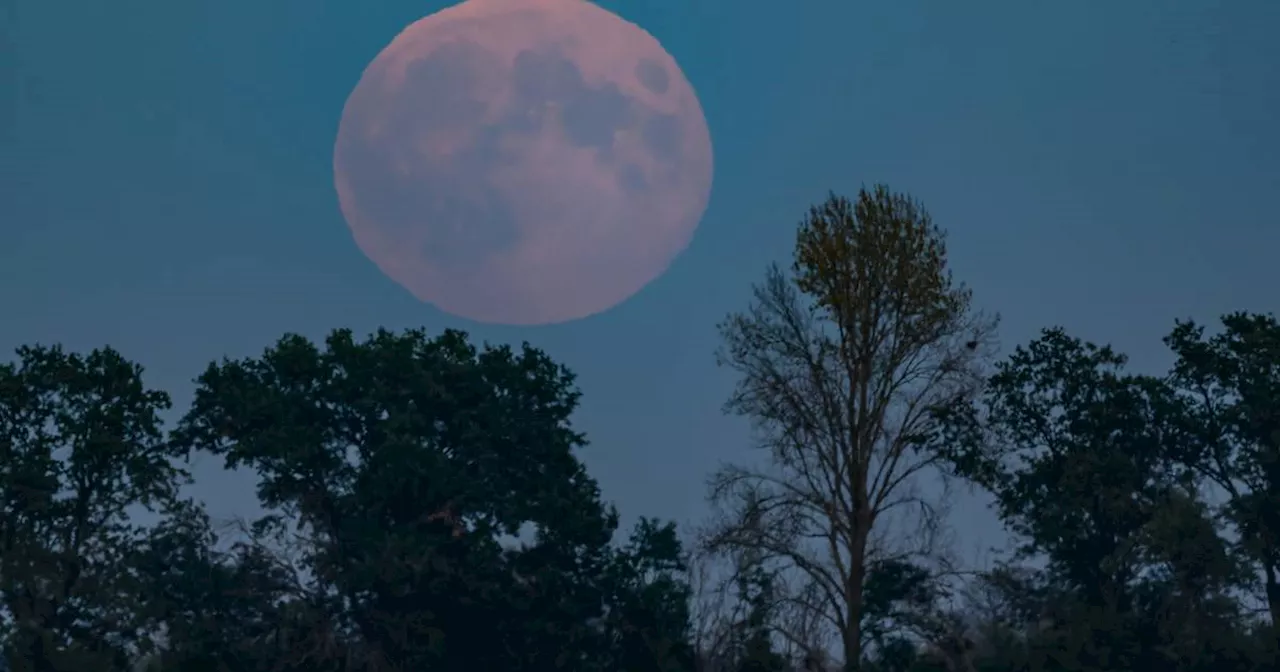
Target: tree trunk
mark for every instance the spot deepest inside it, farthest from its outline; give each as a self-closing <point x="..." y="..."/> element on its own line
<point x="1273" y="596"/>
<point x="852" y="634"/>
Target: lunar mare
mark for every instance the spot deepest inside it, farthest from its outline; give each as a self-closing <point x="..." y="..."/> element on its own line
<point x="523" y="161"/>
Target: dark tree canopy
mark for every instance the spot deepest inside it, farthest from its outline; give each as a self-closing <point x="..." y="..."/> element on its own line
<point x="403" y="460"/>
<point x="424" y="507"/>
<point x="425" y="511"/>
<point x="1108" y="476"/>
<point x="81" y="449"/>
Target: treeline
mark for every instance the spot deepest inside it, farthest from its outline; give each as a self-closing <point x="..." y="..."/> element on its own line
<point x="425" y="508"/>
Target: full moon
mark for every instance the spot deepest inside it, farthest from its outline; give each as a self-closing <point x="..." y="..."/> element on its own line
<point x="523" y="161"/>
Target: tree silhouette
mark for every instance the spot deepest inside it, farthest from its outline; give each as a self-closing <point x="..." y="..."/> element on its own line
<point x="839" y="364"/>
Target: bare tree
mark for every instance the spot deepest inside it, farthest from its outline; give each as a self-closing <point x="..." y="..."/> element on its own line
<point x="734" y="602"/>
<point x="712" y="612"/>
<point x="841" y="362"/>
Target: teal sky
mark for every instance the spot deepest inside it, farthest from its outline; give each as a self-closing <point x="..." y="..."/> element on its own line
<point x="166" y="187"/>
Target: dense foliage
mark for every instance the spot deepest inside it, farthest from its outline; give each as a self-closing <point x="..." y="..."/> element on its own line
<point x="424" y="507"/>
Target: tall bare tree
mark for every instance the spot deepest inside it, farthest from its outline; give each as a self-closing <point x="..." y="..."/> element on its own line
<point x="841" y="361"/>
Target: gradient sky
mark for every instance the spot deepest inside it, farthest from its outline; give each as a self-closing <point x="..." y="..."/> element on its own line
<point x="166" y="187"/>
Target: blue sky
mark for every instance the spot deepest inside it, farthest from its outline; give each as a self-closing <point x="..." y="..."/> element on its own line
<point x="166" y="187"/>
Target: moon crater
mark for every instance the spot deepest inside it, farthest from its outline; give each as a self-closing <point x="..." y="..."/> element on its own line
<point x="523" y="161"/>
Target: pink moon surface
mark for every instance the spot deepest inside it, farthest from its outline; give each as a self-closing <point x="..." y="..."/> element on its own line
<point x="523" y="161"/>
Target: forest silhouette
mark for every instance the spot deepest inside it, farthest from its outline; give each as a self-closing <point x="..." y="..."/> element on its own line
<point x="426" y="508"/>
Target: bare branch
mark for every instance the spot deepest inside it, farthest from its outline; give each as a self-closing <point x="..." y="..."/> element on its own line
<point x="841" y="364"/>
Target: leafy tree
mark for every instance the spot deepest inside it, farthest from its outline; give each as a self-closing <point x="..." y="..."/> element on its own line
<point x="757" y="595"/>
<point x="1072" y="448"/>
<point x="755" y="632"/>
<point x="1232" y="383"/>
<point x="840" y="361"/>
<point x="739" y="613"/>
<point x="81" y="452"/>
<point x="1079" y="456"/>
<point x="649" y="617"/>
<point x="222" y="610"/>
<point x="401" y="463"/>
